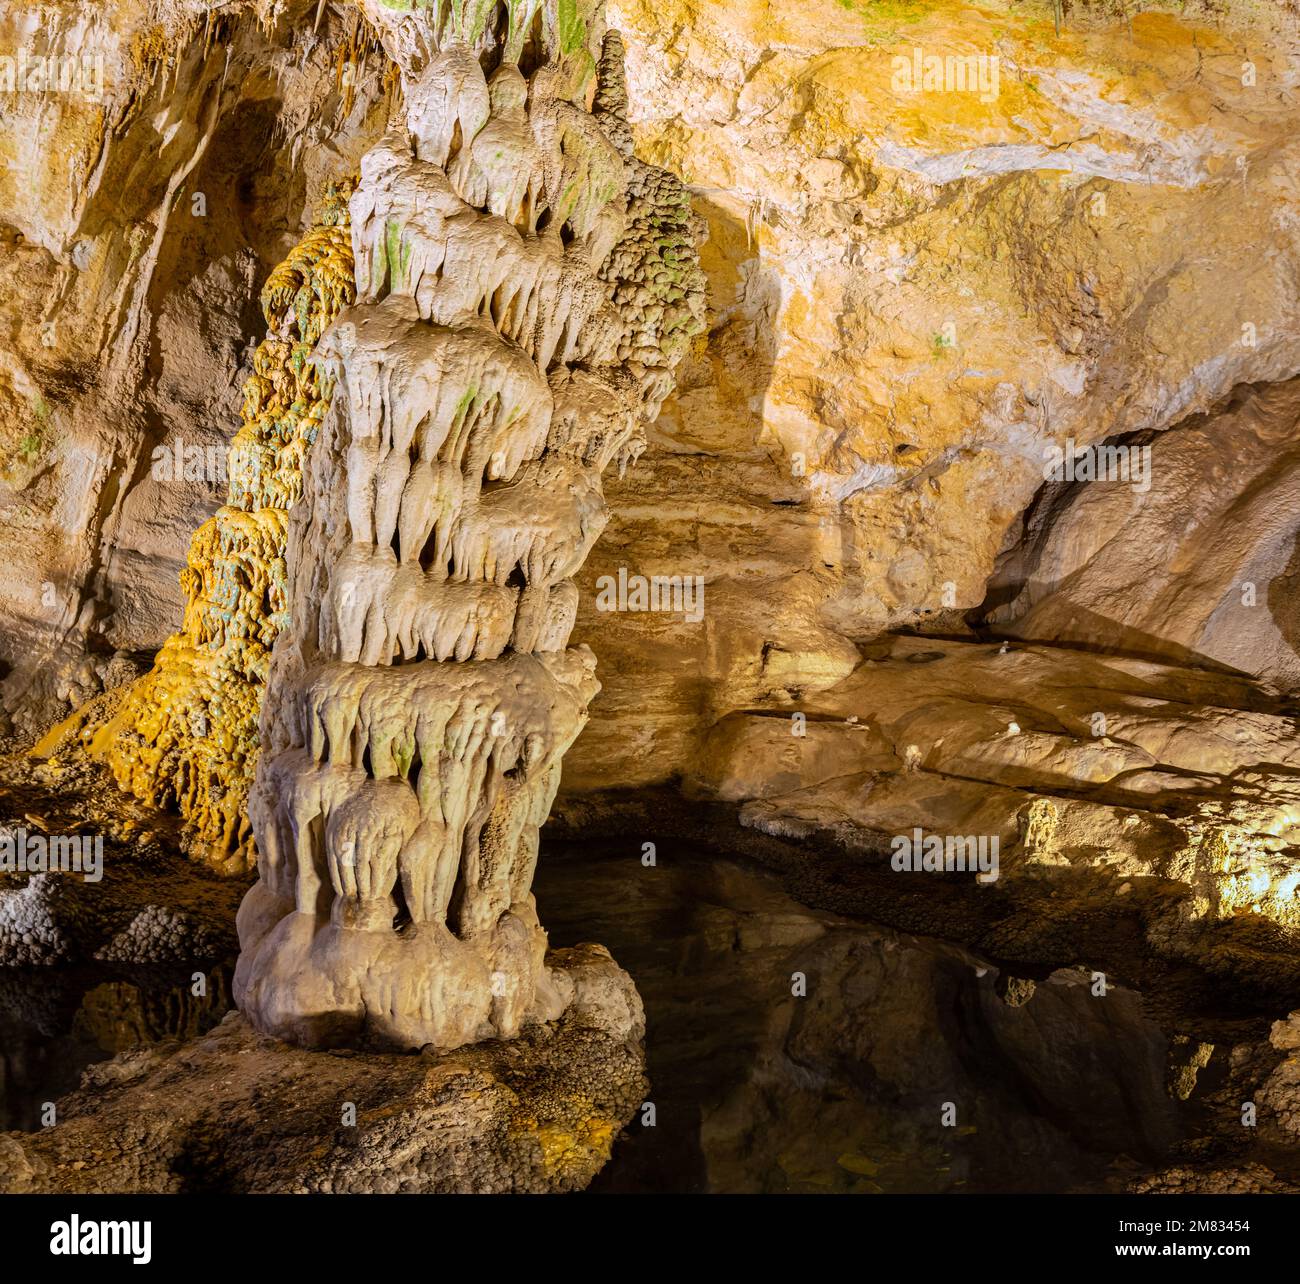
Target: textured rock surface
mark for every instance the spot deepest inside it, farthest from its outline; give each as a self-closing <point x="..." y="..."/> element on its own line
<point x="1200" y="569"/>
<point x="51" y="1032"/>
<point x="1253" y="1179"/>
<point x="185" y="735"/>
<point x="525" y="287"/>
<point x="1072" y="762"/>
<point x="538" y="1114"/>
<point x="911" y="297"/>
<point x="149" y="905"/>
<point x="140" y="213"/>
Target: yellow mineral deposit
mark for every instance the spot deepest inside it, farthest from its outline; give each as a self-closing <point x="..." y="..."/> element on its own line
<point x="185" y="735"/>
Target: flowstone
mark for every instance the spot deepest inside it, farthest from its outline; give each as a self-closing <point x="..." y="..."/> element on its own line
<point x="525" y="287"/>
<point x="184" y="735"/>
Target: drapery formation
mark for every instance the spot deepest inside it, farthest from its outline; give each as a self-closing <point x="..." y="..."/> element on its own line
<point x="525" y="288"/>
<point x="185" y="734"/>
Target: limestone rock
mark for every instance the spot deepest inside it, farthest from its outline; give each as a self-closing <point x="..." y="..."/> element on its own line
<point x="913" y="297"/>
<point x="138" y="224"/>
<point x="1212" y="543"/>
<point x="524" y="291"/>
<point x="538" y="1114"/>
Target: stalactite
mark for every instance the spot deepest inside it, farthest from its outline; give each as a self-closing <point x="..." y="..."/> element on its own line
<point x="525" y="287"/>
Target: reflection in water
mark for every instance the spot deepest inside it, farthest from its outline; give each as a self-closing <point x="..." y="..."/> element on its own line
<point x="846" y="1086"/>
<point x="54" y="1022"/>
<point x="788" y="1049"/>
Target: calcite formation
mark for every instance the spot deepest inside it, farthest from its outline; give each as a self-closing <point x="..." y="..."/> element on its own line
<point x="185" y="734"/>
<point x="141" y="209"/>
<point x="535" y="1115"/>
<point x="525" y="287"/>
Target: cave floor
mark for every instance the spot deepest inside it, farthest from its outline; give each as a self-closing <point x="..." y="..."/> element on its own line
<point x="814" y="1023"/>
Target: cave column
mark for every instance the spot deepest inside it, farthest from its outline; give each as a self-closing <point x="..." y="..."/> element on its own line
<point x="524" y="287"/>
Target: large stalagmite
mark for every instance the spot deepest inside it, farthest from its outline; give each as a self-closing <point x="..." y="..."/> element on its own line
<point x="524" y="288"/>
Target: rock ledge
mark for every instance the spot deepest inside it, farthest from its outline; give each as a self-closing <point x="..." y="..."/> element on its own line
<point x="239" y="1112"/>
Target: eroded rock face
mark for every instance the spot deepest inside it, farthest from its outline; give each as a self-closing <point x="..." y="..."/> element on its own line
<point x="1199" y="566"/>
<point x="536" y="1115"/>
<point x="913" y="296"/>
<point x="524" y="288"/>
<point x="53" y="1031"/>
<point x="1100" y="781"/>
<point x="142" y="206"/>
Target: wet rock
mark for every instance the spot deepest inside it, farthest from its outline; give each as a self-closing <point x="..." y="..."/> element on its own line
<point x="537" y="1114"/>
<point x="1251" y="1179"/>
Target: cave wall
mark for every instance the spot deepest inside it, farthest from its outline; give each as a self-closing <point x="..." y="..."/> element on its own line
<point x="911" y="296"/>
<point x="140" y="214"/>
<point x="1198" y="570"/>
